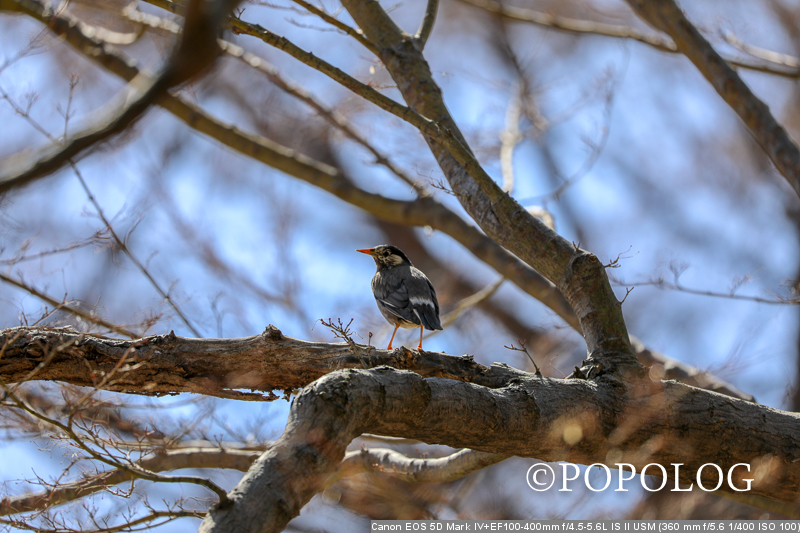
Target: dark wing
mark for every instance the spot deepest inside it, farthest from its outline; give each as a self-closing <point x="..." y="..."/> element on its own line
<point x="423" y="302"/>
<point x="391" y="293"/>
<point x="435" y="302"/>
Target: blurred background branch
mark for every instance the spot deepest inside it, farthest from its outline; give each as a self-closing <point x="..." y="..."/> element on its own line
<point x="625" y="149"/>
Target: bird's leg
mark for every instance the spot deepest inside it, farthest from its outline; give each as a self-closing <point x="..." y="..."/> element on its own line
<point x="419" y="348"/>
<point x="390" y="340"/>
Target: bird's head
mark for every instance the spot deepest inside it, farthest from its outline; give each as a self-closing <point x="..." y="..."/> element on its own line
<point x="386" y="256"/>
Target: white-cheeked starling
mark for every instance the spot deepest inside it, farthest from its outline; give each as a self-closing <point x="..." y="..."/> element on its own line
<point x="403" y="293"/>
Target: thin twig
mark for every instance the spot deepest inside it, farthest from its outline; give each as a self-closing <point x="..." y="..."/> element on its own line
<point x="127" y="526"/>
<point x="331" y="116"/>
<point x="428" y="21"/>
<point x="469" y="302"/>
<point x="785" y="60"/>
<point x="19" y="258"/>
<point x="663" y="284"/>
<point x="771" y="62"/>
<point x="132" y="469"/>
<point x="195" y="51"/>
<point x="282" y="43"/>
<point x="124" y="247"/>
<point x="510" y="138"/>
<point x="356" y="34"/>
<point x="68" y="308"/>
<point x="523" y="349"/>
<point x="50" y="161"/>
<point x="120" y="242"/>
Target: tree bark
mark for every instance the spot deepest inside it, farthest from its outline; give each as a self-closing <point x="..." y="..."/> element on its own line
<point x="167" y="364"/>
<point x="446" y="400"/>
<point x="572" y="420"/>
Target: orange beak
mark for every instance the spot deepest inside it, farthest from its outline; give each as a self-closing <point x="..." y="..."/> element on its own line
<point x="368" y="251"/>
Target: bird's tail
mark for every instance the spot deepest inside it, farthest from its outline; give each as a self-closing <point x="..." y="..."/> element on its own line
<point x="429" y="319"/>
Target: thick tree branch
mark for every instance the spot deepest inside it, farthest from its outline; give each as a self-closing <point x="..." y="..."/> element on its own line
<point x="424" y="212"/>
<point x="213" y="366"/>
<point x="553" y="420"/>
<point x="666" y="16"/>
<point x="663" y="367"/>
<point x="578" y="274"/>
<point x="167" y="364"/>
<point x="362" y="89"/>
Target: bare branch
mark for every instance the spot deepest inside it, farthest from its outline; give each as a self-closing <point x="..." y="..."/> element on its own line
<point x="108" y="227"/>
<point x="471" y="301"/>
<point x="193" y="54"/>
<point x="135" y="471"/>
<point x="127" y="526"/>
<point x="579" y="26"/>
<point x="423" y="212"/>
<point x="510" y="138"/>
<point x="146" y="89"/>
<point x="439" y="470"/>
<point x="124" y="247"/>
<point x="428" y="21"/>
<point x="358" y="35"/>
<point x="773" y="63"/>
<point x="158" y="462"/>
<point x="785" y="60"/>
<point x="376" y="460"/>
<point x="578" y="274"/>
<point x="20" y="256"/>
<point x="663" y="367"/>
<point x="663" y="284"/>
<point x="552" y="420"/>
<point x="289" y="87"/>
<point x="524" y="350"/>
<point x="64" y="306"/>
<point x="52" y="159"/>
<point x="362" y="89"/>
<point x="331" y="116"/>
<point x="666" y="16"/>
<point x="166" y="364"/>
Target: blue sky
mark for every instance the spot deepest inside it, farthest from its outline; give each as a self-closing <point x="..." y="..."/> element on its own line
<point x="674" y="185"/>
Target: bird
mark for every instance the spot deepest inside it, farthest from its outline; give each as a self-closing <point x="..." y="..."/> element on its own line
<point x="405" y="296"/>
